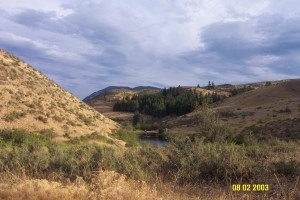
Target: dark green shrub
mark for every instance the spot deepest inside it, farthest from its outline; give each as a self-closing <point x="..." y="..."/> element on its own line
<point x="24" y="152"/>
<point x="42" y="119"/>
<point x="268" y="83"/>
<point x="13" y="116"/>
<point x="136" y="118"/>
<point x="290" y="168"/>
<point x="86" y="120"/>
<point x="194" y="161"/>
<point x="57" y="118"/>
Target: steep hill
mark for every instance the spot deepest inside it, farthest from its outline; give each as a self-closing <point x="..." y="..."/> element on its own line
<point x="271" y="109"/>
<point x="29" y="100"/>
<point x="284" y="91"/>
<point x="265" y="108"/>
<point x="105" y="101"/>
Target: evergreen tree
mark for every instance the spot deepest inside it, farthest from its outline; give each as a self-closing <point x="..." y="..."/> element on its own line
<point x="268" y="83"/>
<point x="212" y="85"/>
<point x="136" y="118"/>
<point x="164" y="92"/>
<point x="175" y="100"/>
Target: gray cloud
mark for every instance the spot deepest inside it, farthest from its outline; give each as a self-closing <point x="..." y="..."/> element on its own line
<point x="269" y="42"/>
<point x="88" y="45"/>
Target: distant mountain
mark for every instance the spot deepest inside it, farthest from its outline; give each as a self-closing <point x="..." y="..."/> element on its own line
<point x="146" y="88"/>
<point x="110" y="88"/>
<point x="29" y="100"/>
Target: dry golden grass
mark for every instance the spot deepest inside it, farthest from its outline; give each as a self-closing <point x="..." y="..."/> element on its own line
<point x="261" y="106"/>
<point x="29" y="100"/>
<point x="106" y="185"/>
<point x="109" y="185"/>
<point x="267" y="104"/>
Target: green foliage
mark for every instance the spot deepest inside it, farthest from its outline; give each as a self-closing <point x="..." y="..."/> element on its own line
<point x="86" y="120"/>
<point x="20" y="137"/>
<point x="241" y="90"/>
<point x="268" y="83"/>
<point x="287" y="168"/>
<point x="57" y="118"/>
<point x="42" y="119"/>
<point x="208" y="128"/>
<point x="194" y="161"/>
<point x="13" y="116"/>
<point x="175" y="100"/>
<point x="93" y="136"/>
<point x="24" y="151"/>
<point x="130" y="137"/>
<point x="185" y="160"/>
<point x="136" y="118"/>
<point x="211" y="85"/>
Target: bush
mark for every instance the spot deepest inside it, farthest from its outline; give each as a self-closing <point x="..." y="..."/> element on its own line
<point x="194" y="161"/>
<point x="290" y="168"/>
<point x="209" y="128"/>
<point x="57" y="118"/>
<point x="42" y="119"/>
<point x="185" y="160"/>
<point x="24" y="151"/>
<point x="95" y="136"/>
<point x="86" y="120"/>
<point x="129" y="137"/>
<point x="36" y="154"/>
<point x="253" y="147"/>
<point x="136" y="118"/>
<point x="268" y="83"/>
<point x="13" y="116"/>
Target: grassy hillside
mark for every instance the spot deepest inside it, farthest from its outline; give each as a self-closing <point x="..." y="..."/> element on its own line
<point x="104" y="103"/>
<point x="251" y="139"/>
<point x="266" y="106"/>
<point x="29" y="100"/>
<point x="275" y="107"/>
<point x="204" y="166"/>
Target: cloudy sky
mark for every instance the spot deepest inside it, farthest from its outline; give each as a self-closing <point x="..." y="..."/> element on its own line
<point x="87" y="45"/>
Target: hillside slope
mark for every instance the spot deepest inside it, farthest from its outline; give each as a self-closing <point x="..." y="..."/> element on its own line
<point x="288" y="90"/>
<point x="266" y="108"/>
<point x="104" y="102"/>
<point x="29" y="100"/>
<point x="111" y="88"/>
<point x="274" y="109"/>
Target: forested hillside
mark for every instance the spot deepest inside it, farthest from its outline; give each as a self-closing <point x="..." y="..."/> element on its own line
<point x="172" y="101"/>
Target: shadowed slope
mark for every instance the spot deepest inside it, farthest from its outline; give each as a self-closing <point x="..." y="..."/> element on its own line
<point x="287" y="90"/>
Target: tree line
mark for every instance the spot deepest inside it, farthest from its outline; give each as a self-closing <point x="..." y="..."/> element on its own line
<point x="171" y="101"/>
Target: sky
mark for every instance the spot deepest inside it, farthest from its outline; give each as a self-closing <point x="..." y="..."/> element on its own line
<point x="85" y="46"/>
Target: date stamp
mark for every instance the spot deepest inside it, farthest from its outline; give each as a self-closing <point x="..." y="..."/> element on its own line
<point x="250" y="187"/>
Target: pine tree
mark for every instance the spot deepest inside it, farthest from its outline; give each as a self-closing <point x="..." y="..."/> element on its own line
<point x="136" y="118"/>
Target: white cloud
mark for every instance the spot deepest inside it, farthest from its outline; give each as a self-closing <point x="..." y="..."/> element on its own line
<point x="87" y="45"/>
